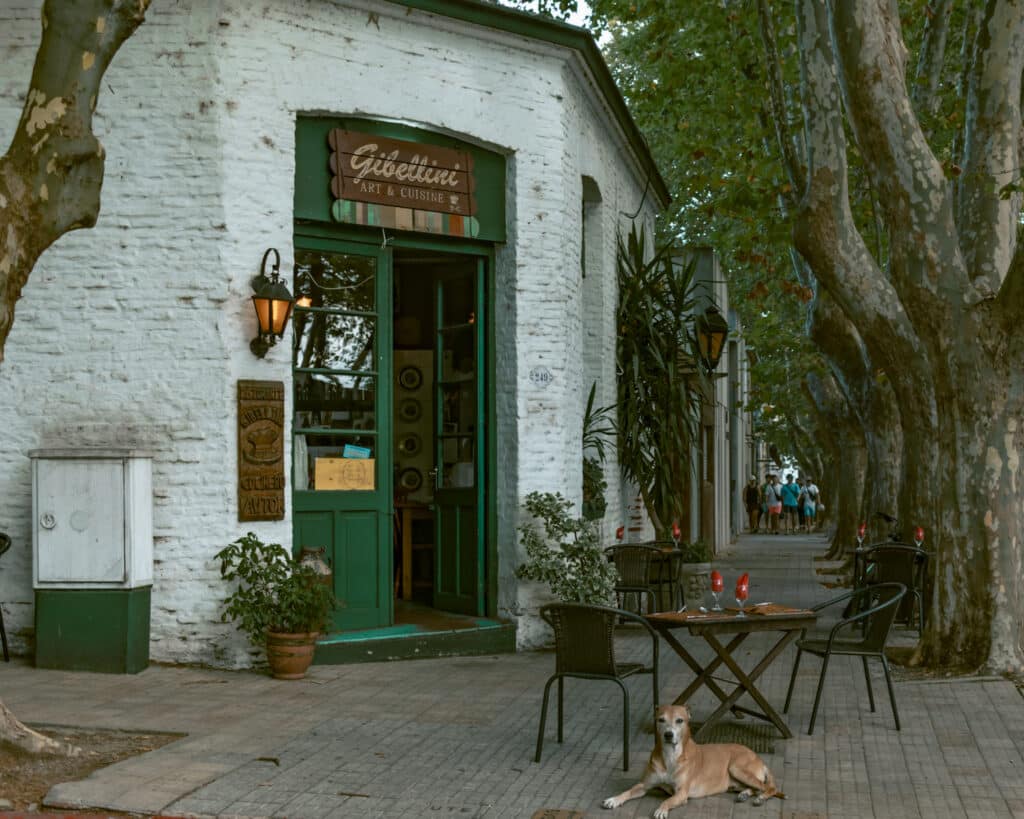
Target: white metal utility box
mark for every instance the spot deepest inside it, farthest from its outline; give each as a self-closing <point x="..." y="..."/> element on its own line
<point x="92" y="570"/>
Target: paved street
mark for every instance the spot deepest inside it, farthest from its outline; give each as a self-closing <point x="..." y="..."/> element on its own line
<point x="455" y="737"/>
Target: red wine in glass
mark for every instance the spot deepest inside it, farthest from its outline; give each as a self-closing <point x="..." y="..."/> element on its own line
<point x="742" y="592"/>
<point x="717" y="586"/>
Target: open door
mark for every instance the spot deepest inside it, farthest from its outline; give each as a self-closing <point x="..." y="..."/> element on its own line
<point x="342" y="424"/>
<point x="459" y="491"/>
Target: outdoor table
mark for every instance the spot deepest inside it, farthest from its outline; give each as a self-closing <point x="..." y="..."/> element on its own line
<point x="766" y="617"/>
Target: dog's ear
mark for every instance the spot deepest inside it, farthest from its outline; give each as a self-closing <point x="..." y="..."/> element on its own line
<point x="686" y="710"/>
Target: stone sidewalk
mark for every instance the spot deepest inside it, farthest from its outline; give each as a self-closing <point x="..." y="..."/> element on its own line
<point x="455" y="737"/>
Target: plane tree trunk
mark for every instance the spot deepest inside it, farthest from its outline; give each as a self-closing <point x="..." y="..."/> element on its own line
<point x="942" y="319"/>
<point x="16" y="734"/>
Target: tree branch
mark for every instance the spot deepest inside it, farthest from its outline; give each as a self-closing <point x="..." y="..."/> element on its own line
<point x="914" y="193"/>
<point x="776" y="99"/>
<point x="52" y="173"/>
<point x="930" y="59"/>
<point x="986" y="219"/>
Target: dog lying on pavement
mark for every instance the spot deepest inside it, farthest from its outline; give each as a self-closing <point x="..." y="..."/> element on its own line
<point x="685" y="769"/>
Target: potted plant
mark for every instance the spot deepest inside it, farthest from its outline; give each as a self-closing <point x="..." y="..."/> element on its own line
<point x="281" y="604"/>
<point x="567" y="555"/>
<point x="695" y="569"/>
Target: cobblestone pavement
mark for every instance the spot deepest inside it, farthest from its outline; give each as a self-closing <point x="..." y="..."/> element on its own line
<point x="455" y="737"/>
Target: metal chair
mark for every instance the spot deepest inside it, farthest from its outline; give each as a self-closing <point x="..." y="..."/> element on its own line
<point x="876" y="609"/>
<point x="5" y="544"/>
<point x="585" y="648"/>
<point x="634" y="562"/>
<point x="899" y="563"/>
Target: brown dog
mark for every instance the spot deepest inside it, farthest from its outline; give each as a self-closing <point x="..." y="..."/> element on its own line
<point x="684" y="769"/>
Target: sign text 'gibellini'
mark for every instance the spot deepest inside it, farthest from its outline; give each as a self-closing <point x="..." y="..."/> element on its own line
<point x="378" y="170"/>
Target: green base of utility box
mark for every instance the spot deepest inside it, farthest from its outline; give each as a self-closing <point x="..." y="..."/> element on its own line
<point x="93" y="629"/>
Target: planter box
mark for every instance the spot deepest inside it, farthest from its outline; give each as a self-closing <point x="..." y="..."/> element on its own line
<point x="696" y="579"/>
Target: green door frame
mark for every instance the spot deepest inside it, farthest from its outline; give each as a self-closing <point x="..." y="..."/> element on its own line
<point x="367" y="237"/>
<point x="348" y="518"/>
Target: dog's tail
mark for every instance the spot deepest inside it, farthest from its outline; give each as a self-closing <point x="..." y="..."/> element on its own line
<point x="771" y="786"/>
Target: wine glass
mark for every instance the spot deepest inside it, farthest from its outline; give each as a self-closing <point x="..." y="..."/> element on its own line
<point x="861" y="532"/>
<point x="717" y="586"/>
<point x="677" y="533"/>
<point x="918" y="536"/>
<point x="742" y="592"/>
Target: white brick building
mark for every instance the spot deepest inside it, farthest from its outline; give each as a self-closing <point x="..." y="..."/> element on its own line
<point x="136" y="333"/>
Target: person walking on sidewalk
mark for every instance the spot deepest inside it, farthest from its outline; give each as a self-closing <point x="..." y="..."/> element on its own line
<point x="773" y="500"/>
<point x="790" y="496"/>
<point x="811" y="505"/>
<point x="752" y="500"/>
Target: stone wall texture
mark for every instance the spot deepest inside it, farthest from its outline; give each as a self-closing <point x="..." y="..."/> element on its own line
<point x="135" y="333"/>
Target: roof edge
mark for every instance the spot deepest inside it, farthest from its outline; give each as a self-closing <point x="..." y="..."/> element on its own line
<point x="562" y="34"/>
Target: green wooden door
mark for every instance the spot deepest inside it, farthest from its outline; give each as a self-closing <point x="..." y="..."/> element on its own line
<point x="459" y="491"/>
<point x="341" y="449"/>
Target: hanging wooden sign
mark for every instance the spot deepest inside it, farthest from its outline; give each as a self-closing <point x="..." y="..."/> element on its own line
<point x="260" y="450"/>
<point x="407" y="179"/>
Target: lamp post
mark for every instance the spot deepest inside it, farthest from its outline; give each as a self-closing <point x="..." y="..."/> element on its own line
<point x="273" y="303"/>
<point x="712" y="331"/>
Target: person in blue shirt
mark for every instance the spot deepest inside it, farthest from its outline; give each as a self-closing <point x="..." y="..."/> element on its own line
<point x="790" y="498"/>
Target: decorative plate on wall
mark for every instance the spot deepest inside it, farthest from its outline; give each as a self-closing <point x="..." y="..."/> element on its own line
<point x="411" y="378"/>
<point x="410" y="479"/>
<point x="410" y="410"/>
<point x="410" y="444"/>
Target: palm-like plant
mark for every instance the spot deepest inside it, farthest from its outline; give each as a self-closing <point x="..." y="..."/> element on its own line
<point x="660" y="385"/>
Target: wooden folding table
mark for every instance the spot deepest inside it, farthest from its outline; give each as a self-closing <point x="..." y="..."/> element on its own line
<point x="770" y="617"/>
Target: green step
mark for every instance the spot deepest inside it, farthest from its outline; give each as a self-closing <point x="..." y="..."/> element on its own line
<point x="409" y="642"/>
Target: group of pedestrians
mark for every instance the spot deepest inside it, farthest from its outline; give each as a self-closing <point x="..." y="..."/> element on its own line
<point x="782" y="508"/>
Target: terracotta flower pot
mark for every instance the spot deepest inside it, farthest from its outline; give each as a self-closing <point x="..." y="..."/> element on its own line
<point x="290" y="655"/>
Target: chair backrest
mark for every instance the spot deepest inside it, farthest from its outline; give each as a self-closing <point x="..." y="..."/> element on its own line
<point x="584" y="637"/>
<point x="896" y="563"/>
<point x="5" y="543"/>
<point x="633" y="562"/>
<point x="880" y="603"/>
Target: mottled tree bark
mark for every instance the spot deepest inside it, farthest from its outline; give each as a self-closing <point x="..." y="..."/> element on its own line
<point x="16" y="734"/>
<point x="939" y="320"/>
<point x="845" y="437"/>
<point x="51" y="175"/>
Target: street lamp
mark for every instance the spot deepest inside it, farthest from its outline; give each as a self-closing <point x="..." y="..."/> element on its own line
<point x="273" y="302"/>
<point x="712" y="331"/>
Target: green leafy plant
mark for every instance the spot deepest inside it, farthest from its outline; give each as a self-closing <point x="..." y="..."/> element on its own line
<point x="660" y="384"/>
<point x="274" y="592"/>
<point x="696" y="552"/>
<point x="598" y="429"/>
<point x="567" y="555"/>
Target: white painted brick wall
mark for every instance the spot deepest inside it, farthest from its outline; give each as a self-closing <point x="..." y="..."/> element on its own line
<point x="135" y="333"/>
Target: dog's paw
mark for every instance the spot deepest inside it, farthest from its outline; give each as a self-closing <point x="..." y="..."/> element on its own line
<point x="742" y="796"/>
<point x="611" y="802"/>
<point x="757" y="801"/>
<point x="661" y="813"/>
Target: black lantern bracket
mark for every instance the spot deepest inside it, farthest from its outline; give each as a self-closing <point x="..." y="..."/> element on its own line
<point x="273" y="303"/>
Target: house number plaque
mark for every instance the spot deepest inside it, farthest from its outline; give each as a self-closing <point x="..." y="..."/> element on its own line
<point x="260" y="450"/>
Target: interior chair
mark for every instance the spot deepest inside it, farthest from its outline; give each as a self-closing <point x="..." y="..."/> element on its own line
<point x="585" y="648"/>
<point x="634" y="563"/>
<point x="876" y="608"/>
<point x="5" y="544"/>
<point x="899" y="563"/>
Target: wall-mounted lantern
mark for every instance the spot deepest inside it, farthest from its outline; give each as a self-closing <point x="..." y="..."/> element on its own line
<point x="712" y="331"/>
<point x="273" y="302"/>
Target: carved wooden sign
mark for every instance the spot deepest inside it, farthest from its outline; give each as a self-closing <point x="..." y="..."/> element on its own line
<point x="260" y="450"/>
<point x="369" y="168"/>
